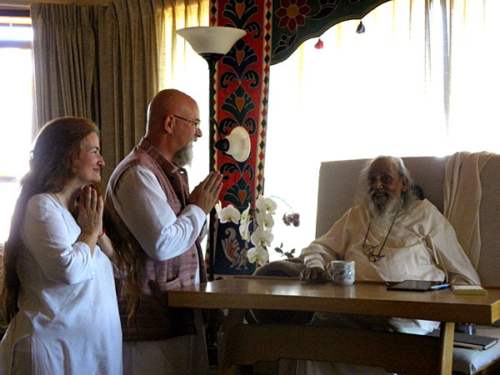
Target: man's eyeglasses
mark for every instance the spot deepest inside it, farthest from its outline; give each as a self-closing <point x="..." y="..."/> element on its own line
<point x="369" y="251"/>
<point x="195" y="123"/>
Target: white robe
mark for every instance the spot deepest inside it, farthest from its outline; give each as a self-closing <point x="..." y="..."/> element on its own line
<point x="68" y="320"/>
<point x="422" y="245"/>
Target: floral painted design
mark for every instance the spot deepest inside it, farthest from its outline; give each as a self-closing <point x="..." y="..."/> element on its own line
<point x="292" y="14"/>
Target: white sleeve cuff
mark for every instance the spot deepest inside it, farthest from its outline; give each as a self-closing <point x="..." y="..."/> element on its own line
<point x="314" y="263"/>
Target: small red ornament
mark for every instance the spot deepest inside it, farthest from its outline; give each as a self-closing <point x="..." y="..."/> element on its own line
<point x="319" y="44"/>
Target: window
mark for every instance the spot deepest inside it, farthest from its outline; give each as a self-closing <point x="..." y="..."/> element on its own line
<point x="188" y="72"/>
<point x="16" y="111"/>
<point x="397" y="90"/>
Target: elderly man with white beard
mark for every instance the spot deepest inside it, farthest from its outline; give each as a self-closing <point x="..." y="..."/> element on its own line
<point x="392" y="236"/>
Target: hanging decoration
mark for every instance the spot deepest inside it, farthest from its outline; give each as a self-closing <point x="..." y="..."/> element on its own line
<point x="319" y="44"/>
<point x="361" y="28"/>
<point x="295" y="21"/>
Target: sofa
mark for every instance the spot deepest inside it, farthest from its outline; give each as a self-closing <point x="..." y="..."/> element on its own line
<point x="337" y="192"/>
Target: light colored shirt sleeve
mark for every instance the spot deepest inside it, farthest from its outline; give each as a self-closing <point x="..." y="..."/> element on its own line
<point x="49" y="232"/>
<point x="330" y="246"/>
<point x="143" y="207"/>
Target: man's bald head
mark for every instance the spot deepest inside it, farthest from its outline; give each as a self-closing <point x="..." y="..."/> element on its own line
<point x="167" y="102"/>
<point x="173" y="125"/>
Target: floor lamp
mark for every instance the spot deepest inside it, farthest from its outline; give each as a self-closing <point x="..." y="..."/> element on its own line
<point x="212" y="43"/>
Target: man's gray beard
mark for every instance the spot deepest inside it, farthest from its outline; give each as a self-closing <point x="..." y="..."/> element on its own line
<point x="383" y="212"/>
<point x="184" y="156"/>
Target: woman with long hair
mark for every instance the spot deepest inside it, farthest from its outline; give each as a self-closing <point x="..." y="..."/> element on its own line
<point x="59" y="295"/>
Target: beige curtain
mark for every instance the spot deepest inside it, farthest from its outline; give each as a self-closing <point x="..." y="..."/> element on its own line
<point x="107" y="62"/>
<point x="182" y="62"/>
<point x="474" y="76"/>
<point x="130" y="57"/>
<point x="64" y="54"/>
<point x="103" y="63"/>
<point x="185" y="70"/>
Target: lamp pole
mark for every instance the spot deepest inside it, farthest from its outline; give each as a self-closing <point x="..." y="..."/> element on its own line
<point x="212" y="59"/>
<point x="211" y="43"/>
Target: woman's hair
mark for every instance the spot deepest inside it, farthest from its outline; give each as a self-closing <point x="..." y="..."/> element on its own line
<point x="50" y="169"/>
<point x="128" y="283"/>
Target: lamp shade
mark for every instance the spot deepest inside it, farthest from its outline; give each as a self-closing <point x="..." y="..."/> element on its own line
<point x="237" y="144"/>
<point x="207" y="40"/>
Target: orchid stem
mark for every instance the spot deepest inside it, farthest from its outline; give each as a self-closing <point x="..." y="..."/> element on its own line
<point x="281" y="199"/>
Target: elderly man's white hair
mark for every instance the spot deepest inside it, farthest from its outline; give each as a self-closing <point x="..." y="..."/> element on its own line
<point x="408" y="196"/>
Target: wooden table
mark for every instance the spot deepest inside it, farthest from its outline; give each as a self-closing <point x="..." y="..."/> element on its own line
<point x="246" y="344"/>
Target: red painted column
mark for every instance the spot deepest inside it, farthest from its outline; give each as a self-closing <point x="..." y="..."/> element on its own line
<point x="241" y="96"/>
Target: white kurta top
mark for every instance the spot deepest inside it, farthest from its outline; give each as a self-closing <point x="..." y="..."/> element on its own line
<point x="422" y="245"/>
<point x="67" y="304"/>
<point x="161" y="233"/>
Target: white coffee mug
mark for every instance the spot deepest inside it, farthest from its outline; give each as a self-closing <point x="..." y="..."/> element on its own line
<point x="342" y="272"/>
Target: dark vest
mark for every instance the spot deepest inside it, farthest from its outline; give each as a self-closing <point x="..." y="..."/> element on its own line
<point x="154" y="319"/>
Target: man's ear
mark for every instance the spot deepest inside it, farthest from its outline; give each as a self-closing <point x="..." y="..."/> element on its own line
<point x="404" y="186"/>
<point x="167" y="124"/>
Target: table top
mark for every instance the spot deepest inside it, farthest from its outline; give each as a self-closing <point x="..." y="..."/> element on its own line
<point x="251" y="292"/>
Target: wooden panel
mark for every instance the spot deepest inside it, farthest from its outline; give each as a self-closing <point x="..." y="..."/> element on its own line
<point x="246" y="344"/>
<point x="395" y="352"/>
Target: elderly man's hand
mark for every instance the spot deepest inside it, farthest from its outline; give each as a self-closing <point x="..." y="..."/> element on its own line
<point x="313" y="273"/>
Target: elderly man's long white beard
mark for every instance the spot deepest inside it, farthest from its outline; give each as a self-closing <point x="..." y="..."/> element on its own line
<point x="184" y="156"/>
<point x="386" y="211"/>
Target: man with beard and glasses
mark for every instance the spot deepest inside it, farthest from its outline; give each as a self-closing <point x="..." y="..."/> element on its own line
<point x="392" y="236"/>
<point x="148" y="192"/>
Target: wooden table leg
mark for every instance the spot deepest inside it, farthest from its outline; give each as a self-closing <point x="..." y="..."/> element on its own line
<point x="447" y="337"/>
<point x="226" y="365"/>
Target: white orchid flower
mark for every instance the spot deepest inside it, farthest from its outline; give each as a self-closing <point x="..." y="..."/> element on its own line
<point x="265" y="220"/>
<point x="245" y="221"/>
<point x="258" y="254"/>
<point x="261" y="237"/>
<point x="218" y="207"/>
<point x="245" y="229"/>
<point x="229" y="213"/>
<point x="267" y="205"/>
<point x="245" y="215"/>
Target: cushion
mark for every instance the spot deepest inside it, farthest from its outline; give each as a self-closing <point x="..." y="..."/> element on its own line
<point x="469" y="361"/>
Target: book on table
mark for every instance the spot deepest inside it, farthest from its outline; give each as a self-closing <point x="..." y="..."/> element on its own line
<point x="463" y="340"/>
<point x="469" y="289"/>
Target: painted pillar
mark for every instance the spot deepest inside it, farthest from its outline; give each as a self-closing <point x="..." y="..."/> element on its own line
<point x="242" y="83"/>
